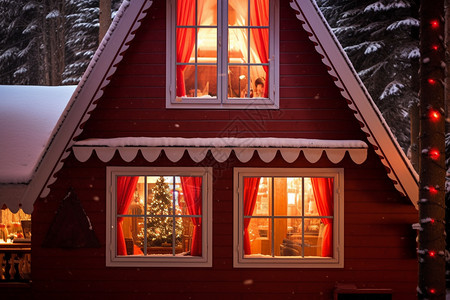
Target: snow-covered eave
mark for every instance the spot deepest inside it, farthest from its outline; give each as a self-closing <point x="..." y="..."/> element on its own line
<point x="95" y="79"/>
<point x="221" y="148"/>
<point x="400" y="170"/>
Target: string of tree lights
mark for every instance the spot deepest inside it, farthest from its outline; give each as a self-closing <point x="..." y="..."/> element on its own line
<point x="431" y="226"/>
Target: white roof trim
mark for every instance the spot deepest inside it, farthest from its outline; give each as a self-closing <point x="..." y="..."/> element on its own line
<point x="221" y="148"/>
<point x="400" y="170"/>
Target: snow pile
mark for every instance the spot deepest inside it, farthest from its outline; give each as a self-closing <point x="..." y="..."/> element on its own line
<point x="28" y="115"/>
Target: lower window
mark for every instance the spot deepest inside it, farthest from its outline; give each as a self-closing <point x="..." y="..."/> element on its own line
<point x="288" y="217"/>
<point x="159" y="217"/>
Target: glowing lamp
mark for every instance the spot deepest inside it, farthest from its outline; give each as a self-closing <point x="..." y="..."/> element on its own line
<point x="434" y="115"/>
<point x="432" y="221"/>
<point x="431" y="81"/>
<point x="434" y="154"/>
<point x="435" y="47"/>
<point x="432" y="291"/>
<point x="434" y="24"/>
<point x="432" y="253"/>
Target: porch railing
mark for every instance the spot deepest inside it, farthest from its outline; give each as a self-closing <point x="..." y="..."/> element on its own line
<point x="15" y="262"/>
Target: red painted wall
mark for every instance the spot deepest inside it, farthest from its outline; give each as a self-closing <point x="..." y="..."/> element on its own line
<point x="379" y="241"/>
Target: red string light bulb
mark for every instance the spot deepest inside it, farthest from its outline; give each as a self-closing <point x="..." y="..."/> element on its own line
<point x="433" y="190"/>
<point x="434" y="115"/>
<point x="431" y="81"/>
<point x="434" y="154"/>
<point x="432" y="291"/>
<point x="434" y="24"/>
<point x="432" y="253"/>
<point x="435" y="47"/>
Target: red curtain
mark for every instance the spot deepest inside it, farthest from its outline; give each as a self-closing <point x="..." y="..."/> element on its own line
<point x="323" y="194"/>
<point x="192" y="191"/>
<point x="185" y="39"/>
<point x="126" y="185"/>
<point x="251" y="185"/>
<point x="259" y="16"/>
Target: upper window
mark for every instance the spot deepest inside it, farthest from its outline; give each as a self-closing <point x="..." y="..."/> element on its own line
<point x="222" y="54"/>
<point x="160" y="217"/>
<point x="288" y="218"/>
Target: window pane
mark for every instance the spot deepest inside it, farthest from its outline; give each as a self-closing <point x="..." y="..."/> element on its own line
<point x="258" y="81"/>
<point x="207" y="12"/>
<point x="133" y="233"/>
<point x="259" y="11"/>
<point x="185" y="45"/>
<point x="136" y="205"/>
<point x="280" y="192"/>
<point x="160" y="229"/>
<point x="237" y="45"/>
<point x="160" y="200"/>
<point x="185" y="12"/>
<point x="291" y="244"/>
<point x="238" y="12"/>
<point x="190" y="198"/>
<point x="263" y="200"/>
<point x="294" y="196"/>
<point x="207" y="81"/>
<point x="259" y="236"/>
<point x="191" y="238"/>
<point x="207" y="46"/>
<point x="259" y="43"/>
<point x="237" y="81"/>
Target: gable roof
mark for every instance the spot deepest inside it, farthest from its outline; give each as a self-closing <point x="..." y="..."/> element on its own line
<point x="116" y="42"/>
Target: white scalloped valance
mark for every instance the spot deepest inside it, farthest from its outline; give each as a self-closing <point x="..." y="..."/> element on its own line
<point x="220" y="148"/>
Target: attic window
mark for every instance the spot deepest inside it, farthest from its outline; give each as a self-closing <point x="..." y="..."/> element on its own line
<point x="222" y="54"/>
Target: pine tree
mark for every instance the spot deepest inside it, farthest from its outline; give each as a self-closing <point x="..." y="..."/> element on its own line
<point x="20" y="42"/>
<point x="381" y="40"/>
<point x="160" y="229"/>
<point x="82" y="31"/>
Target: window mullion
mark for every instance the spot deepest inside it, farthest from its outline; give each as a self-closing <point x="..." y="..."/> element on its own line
<point x="145" y="214"/>
<point x="223" y="47"/>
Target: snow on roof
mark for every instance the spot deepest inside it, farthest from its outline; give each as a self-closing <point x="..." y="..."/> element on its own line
<point x="222" y="142"/>
<point x="28" y="115"/>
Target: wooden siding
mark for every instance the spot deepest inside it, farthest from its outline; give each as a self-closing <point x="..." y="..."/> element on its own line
<point x="379" y="241"/>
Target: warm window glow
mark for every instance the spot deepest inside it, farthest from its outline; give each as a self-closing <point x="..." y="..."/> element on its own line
<point x="14" y="226"/>
<point x="163" y="216"/>
<point x="245" y="73"/>
<point x="291" y="216"/>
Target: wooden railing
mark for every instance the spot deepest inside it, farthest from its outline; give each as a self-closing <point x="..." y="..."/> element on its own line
<point x="15" y="262"/>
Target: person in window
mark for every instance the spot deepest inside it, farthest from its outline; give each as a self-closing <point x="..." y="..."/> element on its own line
<point x="259" y="88"/>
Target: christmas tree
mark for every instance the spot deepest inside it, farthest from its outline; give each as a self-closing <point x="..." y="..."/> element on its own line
<point x="160" y="229"/>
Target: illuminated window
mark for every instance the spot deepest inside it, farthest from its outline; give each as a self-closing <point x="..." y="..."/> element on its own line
<point x="159" y="218"/>
<point x="221" y="54"/>
<point x="288" y="218"/>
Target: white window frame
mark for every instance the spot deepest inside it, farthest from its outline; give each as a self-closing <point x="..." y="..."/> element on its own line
<point x="222" y="101"/>
<point x="337" y="261"/>
<point x="113" y="260"/>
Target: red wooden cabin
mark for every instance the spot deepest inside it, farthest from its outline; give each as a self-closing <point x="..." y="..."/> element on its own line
<point x="198" y="182"/>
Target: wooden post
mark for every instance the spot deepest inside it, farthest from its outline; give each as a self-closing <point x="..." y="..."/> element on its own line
<point x="431" y="243"/>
